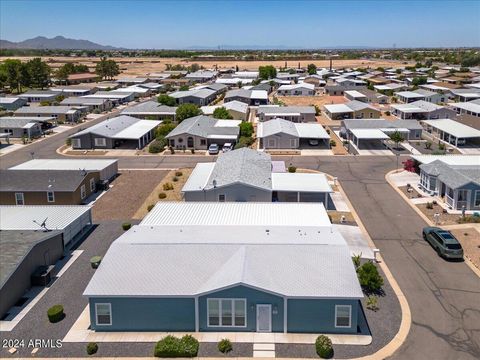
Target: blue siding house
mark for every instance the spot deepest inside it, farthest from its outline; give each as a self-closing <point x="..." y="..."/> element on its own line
<point x="220" y="278"/>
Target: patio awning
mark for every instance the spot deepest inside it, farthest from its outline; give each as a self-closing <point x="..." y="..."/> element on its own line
<point x="363" y="134"/>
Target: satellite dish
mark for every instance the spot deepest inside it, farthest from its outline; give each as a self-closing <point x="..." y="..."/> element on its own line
<point x="43" y="225"/>
<point x="214" y="182"/>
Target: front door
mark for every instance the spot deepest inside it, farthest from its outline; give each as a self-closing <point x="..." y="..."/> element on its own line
<point x="264" y="318"/>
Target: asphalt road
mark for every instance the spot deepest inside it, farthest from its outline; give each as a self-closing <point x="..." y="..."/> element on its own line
<point x="444" y="297"/>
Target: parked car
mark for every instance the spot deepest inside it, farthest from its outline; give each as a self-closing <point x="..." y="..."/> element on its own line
<point x="313" y="142"/>
<point x="213" y="149"/>
<point x="227" y="147"/>
<point x="446" y="245"/>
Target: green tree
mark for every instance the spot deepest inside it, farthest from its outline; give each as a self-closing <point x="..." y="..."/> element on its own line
<point x="246" y="129"/>
<point x="11" y="70"/>
<point x="164" y="129"/>
<point x="267" y="72"/>
<point x="186" y="111"/>
<point x="183" y="88"/>
<point x="107" y="69"/>
<point x="164" y="99"/>
<point x="221" y="113"/>
<point x="419" y="80"/>
<point x="396" y="137"/>
<point x="39" y="72"/>
<point x="311" y="69"/>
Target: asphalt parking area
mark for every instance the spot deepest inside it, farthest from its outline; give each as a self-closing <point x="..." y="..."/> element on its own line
<point x="127" y="194"/>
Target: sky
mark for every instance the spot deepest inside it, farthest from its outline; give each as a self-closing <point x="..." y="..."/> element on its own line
<point x="202" y="23"/>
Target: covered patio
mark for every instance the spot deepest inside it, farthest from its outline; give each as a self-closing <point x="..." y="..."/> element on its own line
<point x="369" y="138"/>
<point x="453" y="132"/>
<point x="300" y="187"/>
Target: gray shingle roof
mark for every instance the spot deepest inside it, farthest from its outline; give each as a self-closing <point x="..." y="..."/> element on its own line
<point x="21" y="121"/>
<point x="202" y="126"/>
<point x="109" y="127"/>
<point x="150" y="107"/>
<point x="382" y="124"/>
<point x="39" y="180"/>
<point x="44" y="110"/>
<point x="454" y="176"/>
<point x="286" y="109"/>
<point x="246" y="166"/>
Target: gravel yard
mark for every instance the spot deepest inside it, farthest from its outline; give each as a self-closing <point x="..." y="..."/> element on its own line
<point x="127" y="194"/>
<point x="469" y="237"/>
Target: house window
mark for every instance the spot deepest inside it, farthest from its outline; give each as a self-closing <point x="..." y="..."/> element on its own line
<point x="19" y="200"/>
<point x="293" y="143"/>
<point x="462" y="195"/>
<point x="476" y="203"/>
<point x="92" y="184"/>
<point x="343" y="316"/>
<point x="203" y="142"/>
<point x="100" y="142"/>
<point x="83" y="192"/>
<point x="76" y="143"/>
<point x="50" y="196"/>
<point x="221" y="197"/>
<point x="227" y="312"/>
<point x="103" y="313"/>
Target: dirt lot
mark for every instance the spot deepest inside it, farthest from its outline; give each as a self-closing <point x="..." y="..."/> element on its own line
<point x="142" y="66"/>
<point x="445" y="219"/>
<point x="172" y="195"/>
<point x="470" y="240"/>
<point x="127" y="194"/>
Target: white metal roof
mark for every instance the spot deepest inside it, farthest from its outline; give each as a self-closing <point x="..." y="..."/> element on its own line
<point x="304" y="182"/>
<point x="198" y="179"/>
<point x="454" y="128"/>
<point x="337" y="108"/>
<point x="238" y="213"/>
<point x="65" y="164"/>
<point x="355" y="93"/>
<point x="224" y="123"/>
<point x="468" y="106"/>
<point x="137" y="129"/>
<point x="15" y="217"/>
<point x="462" y="160"/>
<point x="408" y="108"/>
<point x="289" y="261"/>
<point x="369" y="134"/>
<point x="311" y="131"/>
<point x="259" y="94"/>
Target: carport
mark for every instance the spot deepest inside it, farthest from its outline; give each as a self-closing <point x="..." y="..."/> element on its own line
<point x="300" y="187"/>
<point x="453" y="132"/>
<point x="338" y="111"/>
<point x="374" y="137"/>
<point x="307" y="132"/>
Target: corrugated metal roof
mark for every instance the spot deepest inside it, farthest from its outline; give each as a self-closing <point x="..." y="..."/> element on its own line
<point x="369" y="134"/>
<point x="198" y="179"/>
<point x="449" y="159"/>
<point x="138" y="129"/>
<point x="303" y="182"/>
<point x="17" y="217"/>
<point x="237" y="214"/>
<point x="454" y="128"/>
<point x="149" y="263"/>
<point x="65" y="164"/>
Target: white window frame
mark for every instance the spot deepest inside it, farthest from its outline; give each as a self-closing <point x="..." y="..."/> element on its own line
<point x="83" y="192"/>
<point x="48" y="196"/>
<point x="477" y="196"/>
<point x="349" y="317"/>
<point x="76" y="143"/>
<point x="92" y="185"/>
<point x="16" y="198"/>
<point x="232" y="300"/>
<point x="96" y="313"/>
<point x="100" y="142"/>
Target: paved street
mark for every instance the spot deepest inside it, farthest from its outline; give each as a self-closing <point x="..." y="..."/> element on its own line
<point x="444" y="297"/>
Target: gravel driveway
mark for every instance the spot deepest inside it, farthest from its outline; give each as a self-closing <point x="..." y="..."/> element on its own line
<point x="128" y="192"/>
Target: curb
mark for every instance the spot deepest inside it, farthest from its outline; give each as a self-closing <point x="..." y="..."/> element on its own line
<point x="466" y="258"/>
<point x="400" y="337"/>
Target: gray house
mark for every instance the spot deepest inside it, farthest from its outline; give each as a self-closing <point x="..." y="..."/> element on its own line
<point x="283" y="134"/>
<point x="296" y="114"/>
<point x="199" y="97"/>
<point x="39" y="95"/>
<point x="29" y="127"/>
<point x="250" y="97"/>
<point x="239" y="278"/>
<point x="457" y="185"/>
<point x="12" y="103"/>
<point x="151" y="110"/>
<point x="247" y="175"/>
<point x="60" y="113"/>
<point x="422" y="110"/>
<point x="410" y="129"/>
<point x="122" y="131"/>
<point x="200" y="131"/>
<point x="90" y="103"/>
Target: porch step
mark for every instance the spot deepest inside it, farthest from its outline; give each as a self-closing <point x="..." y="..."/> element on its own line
<point x="264" y="350"/>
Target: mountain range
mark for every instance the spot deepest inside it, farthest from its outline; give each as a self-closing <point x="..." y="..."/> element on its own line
<point x="58" y="42"/>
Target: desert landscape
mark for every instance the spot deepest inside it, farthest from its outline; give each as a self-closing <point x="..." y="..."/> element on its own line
<point x="144" y="65"/>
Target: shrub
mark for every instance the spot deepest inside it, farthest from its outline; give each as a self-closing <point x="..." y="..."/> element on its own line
<point x="225" y="346"/>
<point x="441" y="146"/>
<point x="323" y="346"/>
<point x="55" y="313"/>
<point x="172" y="150"/>
<point x="150" y="207"/>
<point x="92" y="348"/>
<point x="164" y="129"/>
<point x="333" y="143"/>
<point x="369" y="277"/>
<point x="175" y="179"/>
<point x="171" y="346"/>
<point x="126" y="226"/>
<point x="192" y="151"/>
<point x="244" y="141"/>
<point x="387" y="113"/>
<point x="167" y="186"/>
<point x="157" y="145"/>
<point x="162" y="195"/>
<point x="428" y="145"/>
<point x="178" y="173"/>
<point x="246" y="129"/>
<point x="429" y="205"/>
<point x="68" y="142"/>
<point x="372" y="303"/>
<point x="292" y="169"/>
